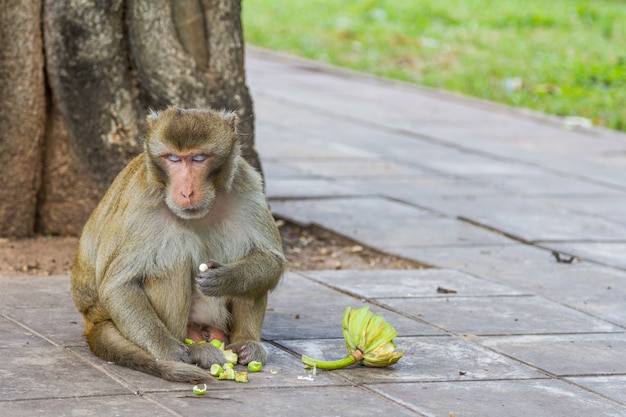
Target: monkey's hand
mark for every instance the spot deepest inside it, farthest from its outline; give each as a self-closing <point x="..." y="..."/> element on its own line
<point x="174" y="352"/>
<point x="205" y="355"/>
<point x="210" y="281"/>
<point x="249" y="277"/>
<point x="249" y="351"/>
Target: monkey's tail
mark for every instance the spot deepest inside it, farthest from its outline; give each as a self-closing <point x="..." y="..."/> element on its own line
<point x="106" y="342"/>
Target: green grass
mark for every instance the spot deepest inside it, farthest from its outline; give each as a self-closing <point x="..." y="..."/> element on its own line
<point x="570" y="55"/>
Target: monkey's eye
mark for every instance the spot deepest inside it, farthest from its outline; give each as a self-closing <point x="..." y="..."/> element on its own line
<point x="199" y="158"/>
<point x="173" y="158"/>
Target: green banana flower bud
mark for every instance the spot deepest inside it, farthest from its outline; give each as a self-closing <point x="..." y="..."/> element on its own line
<point x="369" y="340"/>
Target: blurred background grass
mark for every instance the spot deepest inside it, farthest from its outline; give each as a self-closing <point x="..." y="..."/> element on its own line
<point x="562" y="57"/>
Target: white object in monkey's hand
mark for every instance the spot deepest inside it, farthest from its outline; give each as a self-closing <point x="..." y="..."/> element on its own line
<point x="205" y="267"/>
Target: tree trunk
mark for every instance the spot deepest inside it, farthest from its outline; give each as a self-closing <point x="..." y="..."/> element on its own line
<point x="107" y="63"/>
<point x="23" y="114"/>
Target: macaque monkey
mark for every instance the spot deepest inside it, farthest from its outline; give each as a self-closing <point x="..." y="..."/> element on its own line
<point x="188" y="198"/>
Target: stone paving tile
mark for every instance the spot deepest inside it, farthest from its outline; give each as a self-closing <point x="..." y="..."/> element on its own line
<point x="504" y="315"/>
<point x="31" y="291"/>
<point x="301" y="400"/>
<point x="442" y="195"/>
<point x="50" y="372"/>
<point x="544" y="184"/>
<point x="409" y="283"/>
<point x="613" y="387"/>
<point x="469" y="165"/>
<point x="44" y="305"/>
<point x="61" y="324"/>
<point x="540" y="220"/>
<point x="609" y="207"/>
<point x="488" y="261"/>
<point x="298" y="134"/>
<point x="310" y="188"/>
<point x="381" y="223"/>
<point x="573" y="355"/>
<point x="522" y="266"/>
<point x="349" y="209"/>
<point x="302" y="309"/>
<point x="308" y="139"/>
<point x="537" y="398"/>
<point x="86" y="406"/>
<point x="536" y="144"/>
<point x="535" y="270"/>
<point x="281" y="170"/>
<point x="607" y="253"/>
<point x="351" y="168"/>
<point x="431" y="358"/>
<point x="13" y="336"/>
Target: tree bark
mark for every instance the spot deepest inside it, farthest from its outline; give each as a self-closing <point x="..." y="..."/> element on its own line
<point x="107" y="63"/>
<point x="23" y="115"/>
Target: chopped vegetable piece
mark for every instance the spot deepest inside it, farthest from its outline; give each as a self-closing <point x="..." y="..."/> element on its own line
<point x="229" y="373"/>
<point x="255" y="366"/>
<point x="216" y="369"/>
<point x="217" y="343"/>
<point x="199" y="389"/>
<point x="189" y="342"/>
<point x="230" y="356"/>
<point x="241" y="377"/>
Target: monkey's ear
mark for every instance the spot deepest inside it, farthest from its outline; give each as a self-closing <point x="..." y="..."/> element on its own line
<point x="230" y="118"/>
<point x="152" y="117"/>
<point x="231" y="167"/>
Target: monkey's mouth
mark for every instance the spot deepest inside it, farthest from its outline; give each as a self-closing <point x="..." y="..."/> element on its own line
<point x="193" y="212"/>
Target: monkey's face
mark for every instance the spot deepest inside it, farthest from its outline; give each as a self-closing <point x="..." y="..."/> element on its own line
<point x="192" y="155"/>
<point x="190" y="191"/>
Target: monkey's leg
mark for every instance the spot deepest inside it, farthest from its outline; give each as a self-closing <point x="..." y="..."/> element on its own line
<point x="245" y="335"/>
<point x="108" y="343"/>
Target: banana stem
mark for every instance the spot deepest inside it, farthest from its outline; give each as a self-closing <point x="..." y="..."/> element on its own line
<point x="351" y="359"/>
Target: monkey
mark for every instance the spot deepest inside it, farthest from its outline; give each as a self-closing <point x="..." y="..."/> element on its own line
<point x="188" y="198"/>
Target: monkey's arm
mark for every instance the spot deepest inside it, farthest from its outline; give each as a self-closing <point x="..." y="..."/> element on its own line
<point x="250" y="277"/>
<point x="132" y="313"/>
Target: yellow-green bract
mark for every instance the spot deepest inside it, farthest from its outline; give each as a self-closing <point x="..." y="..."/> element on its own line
<point x="369" y="340"/>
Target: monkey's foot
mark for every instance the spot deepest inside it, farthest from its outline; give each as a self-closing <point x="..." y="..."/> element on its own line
<point x="249" y="351"/>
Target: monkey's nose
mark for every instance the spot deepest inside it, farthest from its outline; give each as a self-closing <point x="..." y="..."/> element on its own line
<point x="186" y="199"/>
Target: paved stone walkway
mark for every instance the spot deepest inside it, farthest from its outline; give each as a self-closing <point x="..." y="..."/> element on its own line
<point x="483" y="193"/>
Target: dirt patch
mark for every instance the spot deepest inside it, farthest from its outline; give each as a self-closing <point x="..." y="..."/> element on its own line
<point x="306" y="248"/>
<point x="315" y="248"/>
